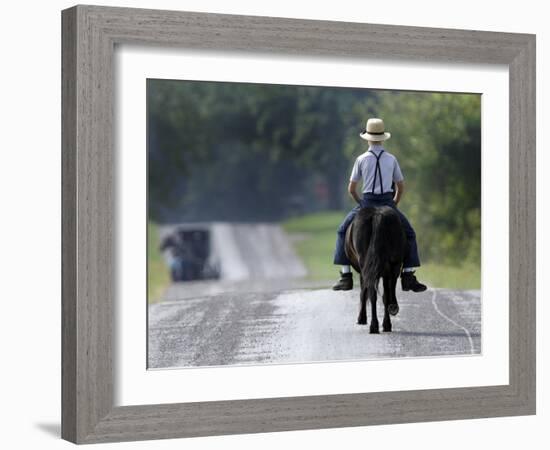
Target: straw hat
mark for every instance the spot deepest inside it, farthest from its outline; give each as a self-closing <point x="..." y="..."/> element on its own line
<point x="375" y="131"/>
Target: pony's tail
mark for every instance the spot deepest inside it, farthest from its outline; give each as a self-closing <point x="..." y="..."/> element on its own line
<point x="380" y="250"/>
<point x="372" y="267"/>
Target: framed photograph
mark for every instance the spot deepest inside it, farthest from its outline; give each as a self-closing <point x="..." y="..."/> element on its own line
<point x="267" y="222"/>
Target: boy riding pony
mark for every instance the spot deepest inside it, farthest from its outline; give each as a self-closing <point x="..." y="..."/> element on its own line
<point x="378" y="170"/>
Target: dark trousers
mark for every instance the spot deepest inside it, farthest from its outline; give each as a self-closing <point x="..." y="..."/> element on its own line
<point x="372" y="200"/>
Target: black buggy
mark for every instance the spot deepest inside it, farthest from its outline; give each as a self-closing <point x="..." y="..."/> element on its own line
<point x="187" y="252"/>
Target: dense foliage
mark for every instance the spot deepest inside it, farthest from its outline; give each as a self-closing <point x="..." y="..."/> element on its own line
<point x="252" y="152"/>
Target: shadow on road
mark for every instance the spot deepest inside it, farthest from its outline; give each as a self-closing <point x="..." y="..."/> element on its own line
<point x="435" y="333"/>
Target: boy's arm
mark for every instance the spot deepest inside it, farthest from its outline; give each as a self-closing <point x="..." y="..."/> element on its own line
<point x="398" y="180"/>
<point x="353" y="192"/>
<point x="399" y="189"/>
<point x="353" y="180"/>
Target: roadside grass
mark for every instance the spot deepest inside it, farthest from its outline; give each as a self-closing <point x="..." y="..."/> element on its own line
<point x="467" y="276"/>
<point x="158" y="277"/>
<point x="314" y="236"/>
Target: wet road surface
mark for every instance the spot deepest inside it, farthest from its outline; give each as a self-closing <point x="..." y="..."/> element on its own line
<point x="306" y="325"/>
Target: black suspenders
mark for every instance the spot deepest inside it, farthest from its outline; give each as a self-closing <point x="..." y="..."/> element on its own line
<point x="377" y="171"/>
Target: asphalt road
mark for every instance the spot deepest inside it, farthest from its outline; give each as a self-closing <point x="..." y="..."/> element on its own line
<point x="239" y="250"/>
<point x="307" y="325"/>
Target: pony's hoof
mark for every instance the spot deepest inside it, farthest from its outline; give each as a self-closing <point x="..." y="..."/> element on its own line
<point x="361" y="321"/>
<point x="374" y="330"/>
<point x="393" y="309"/>
<point x="386" y="329"/>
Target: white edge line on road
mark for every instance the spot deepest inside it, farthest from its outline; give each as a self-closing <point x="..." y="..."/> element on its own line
<point x="472" y="348"/>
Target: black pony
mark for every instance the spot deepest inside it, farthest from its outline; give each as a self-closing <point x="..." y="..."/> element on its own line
<point x="375" y="245"/>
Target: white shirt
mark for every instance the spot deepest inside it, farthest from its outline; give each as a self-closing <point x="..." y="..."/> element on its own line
<point x="365" y="166"/>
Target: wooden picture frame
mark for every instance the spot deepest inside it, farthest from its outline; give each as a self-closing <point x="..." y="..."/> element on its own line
<point x="90" y="34"/>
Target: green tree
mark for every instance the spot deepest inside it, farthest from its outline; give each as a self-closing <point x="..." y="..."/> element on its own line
<point x="437" y="140"/>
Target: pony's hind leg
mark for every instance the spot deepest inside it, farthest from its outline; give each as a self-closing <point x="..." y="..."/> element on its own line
<point x="386" y="324"/>
<point x="374" y="328"/>
<point x="393" y="305"/>
<point x="362" y="318"/>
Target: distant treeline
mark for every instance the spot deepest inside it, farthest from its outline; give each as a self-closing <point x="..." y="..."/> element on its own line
<point x="256" y="152"/>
